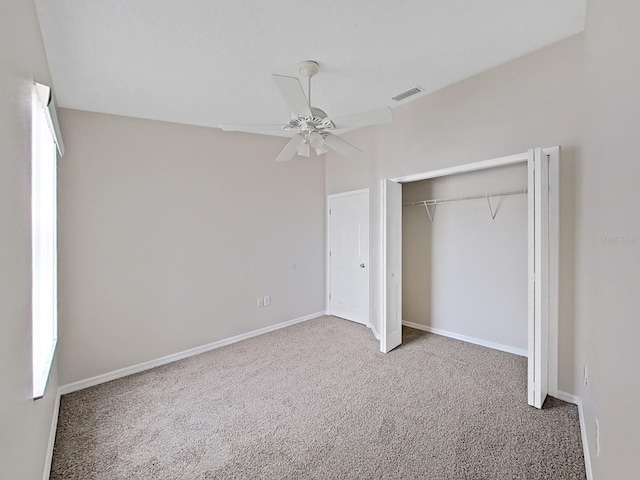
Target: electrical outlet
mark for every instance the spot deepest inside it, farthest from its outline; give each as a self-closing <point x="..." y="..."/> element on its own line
<point x="597" y="438"/>
<point x="260" y="302"/>
<point x="267" y="301"/>
<point x="586" y="379"/>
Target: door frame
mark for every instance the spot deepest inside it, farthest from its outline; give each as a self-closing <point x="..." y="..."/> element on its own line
<point x="554" y="239"/>
<point x="327" y="276"/>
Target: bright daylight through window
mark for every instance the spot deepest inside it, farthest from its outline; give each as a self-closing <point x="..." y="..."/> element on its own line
<point x="43" y="240"/>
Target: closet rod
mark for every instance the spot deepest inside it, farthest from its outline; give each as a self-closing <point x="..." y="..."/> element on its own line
<point x="437" y="201"/>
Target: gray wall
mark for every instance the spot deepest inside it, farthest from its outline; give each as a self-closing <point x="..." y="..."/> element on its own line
<point x="503" y="111"/>
<point x="582" y="94"/>
<point x="608" y="236"/>
<point x="24" y="423"/>
<point x="169" y="233"/>
<point x="466" y="273"/>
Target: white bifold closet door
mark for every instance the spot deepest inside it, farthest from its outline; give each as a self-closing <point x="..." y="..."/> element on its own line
<point x="391" y="247"/>
<point x="543" y="226"/>
<point x="538" y="321"/>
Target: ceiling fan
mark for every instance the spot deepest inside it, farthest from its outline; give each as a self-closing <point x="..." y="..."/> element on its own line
<point x="310" y="127"/>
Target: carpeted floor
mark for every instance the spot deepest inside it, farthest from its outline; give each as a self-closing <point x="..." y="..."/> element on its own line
<point x="318" y="400"/>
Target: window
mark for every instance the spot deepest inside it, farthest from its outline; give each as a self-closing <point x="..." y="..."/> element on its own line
<point x="43" y="239"/>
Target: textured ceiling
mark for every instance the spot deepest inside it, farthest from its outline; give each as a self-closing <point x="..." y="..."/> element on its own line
<point x="207" y="62"/>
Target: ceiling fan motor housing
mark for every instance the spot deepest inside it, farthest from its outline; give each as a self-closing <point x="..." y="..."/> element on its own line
<point x="318" y="123"/>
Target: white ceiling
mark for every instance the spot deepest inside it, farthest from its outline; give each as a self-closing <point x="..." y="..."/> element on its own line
<point x="207" y="62"/>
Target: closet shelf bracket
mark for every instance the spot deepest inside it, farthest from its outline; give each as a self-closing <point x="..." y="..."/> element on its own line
<point x="430" y="213"/>
<point x="493" y="212"/>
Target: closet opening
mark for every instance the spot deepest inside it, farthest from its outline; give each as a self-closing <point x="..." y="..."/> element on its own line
<point x="464" y="257"/>
<point x="471" y="252"/>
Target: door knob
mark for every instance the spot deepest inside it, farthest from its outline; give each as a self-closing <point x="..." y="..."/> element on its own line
<point x="362" y="265"/>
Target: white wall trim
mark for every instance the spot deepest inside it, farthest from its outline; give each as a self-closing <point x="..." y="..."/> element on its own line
<point x="140" y="367"/>
<point x="374" y="330"/>
<point x="349" y="193"/>
<point x="327" y="259"/>
<point x="467" y="167"/>
<point x="567" y="397"/>
<point x="465" y="338"/>
<point x="52" y="437"/>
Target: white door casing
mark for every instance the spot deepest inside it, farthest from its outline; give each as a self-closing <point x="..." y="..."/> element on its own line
<point x="348" y="245"/>
<point x="391" y="267"/>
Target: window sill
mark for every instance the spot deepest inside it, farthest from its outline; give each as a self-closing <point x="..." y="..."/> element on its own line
<point x="41" y="372"/>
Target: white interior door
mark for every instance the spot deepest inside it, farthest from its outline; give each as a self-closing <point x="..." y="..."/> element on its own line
<point x="349" y="256"/>
<point x="538" y="322"/>
<point x="391" y="236"/>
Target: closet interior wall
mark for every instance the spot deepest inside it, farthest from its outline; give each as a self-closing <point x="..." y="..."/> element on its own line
<point x="466" y="273"/>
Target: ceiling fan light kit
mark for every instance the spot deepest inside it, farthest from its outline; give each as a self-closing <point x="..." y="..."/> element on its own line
<point x="310" y="126"/>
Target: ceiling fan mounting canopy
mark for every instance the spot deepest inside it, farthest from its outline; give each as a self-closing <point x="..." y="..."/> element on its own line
<point x="310" y="126"/>
<point x="308" y="68"/>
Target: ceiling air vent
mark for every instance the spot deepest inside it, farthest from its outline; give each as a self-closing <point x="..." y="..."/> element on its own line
<point x="408" y="93"/>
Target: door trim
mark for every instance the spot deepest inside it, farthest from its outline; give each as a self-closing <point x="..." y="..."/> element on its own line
<point x="327" y="243"/>
<point x="554" y="240"/>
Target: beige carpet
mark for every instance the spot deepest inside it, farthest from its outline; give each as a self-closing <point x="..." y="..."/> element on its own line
<point x="318" y="400"/>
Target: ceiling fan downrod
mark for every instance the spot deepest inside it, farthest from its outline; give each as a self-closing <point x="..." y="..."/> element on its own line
<point x="308" y="69"/>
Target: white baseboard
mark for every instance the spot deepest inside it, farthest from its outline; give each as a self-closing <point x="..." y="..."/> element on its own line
<point x="567" y="397"/>
<point x="52" y="437"/>
<point x="140" y="367"/>
<point x="374" y="331"/>
<point x="477" y="341"/>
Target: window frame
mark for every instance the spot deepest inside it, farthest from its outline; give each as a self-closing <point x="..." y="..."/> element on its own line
<point x="44" y="299"/>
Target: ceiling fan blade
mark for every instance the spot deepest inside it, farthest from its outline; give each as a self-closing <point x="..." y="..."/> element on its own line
<point x="291" y="90"/>
<point x="291" y="149"/>
<point x="341" y="146"/>
<point x="262" y="129"/>
<point x="380" y="116"/>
